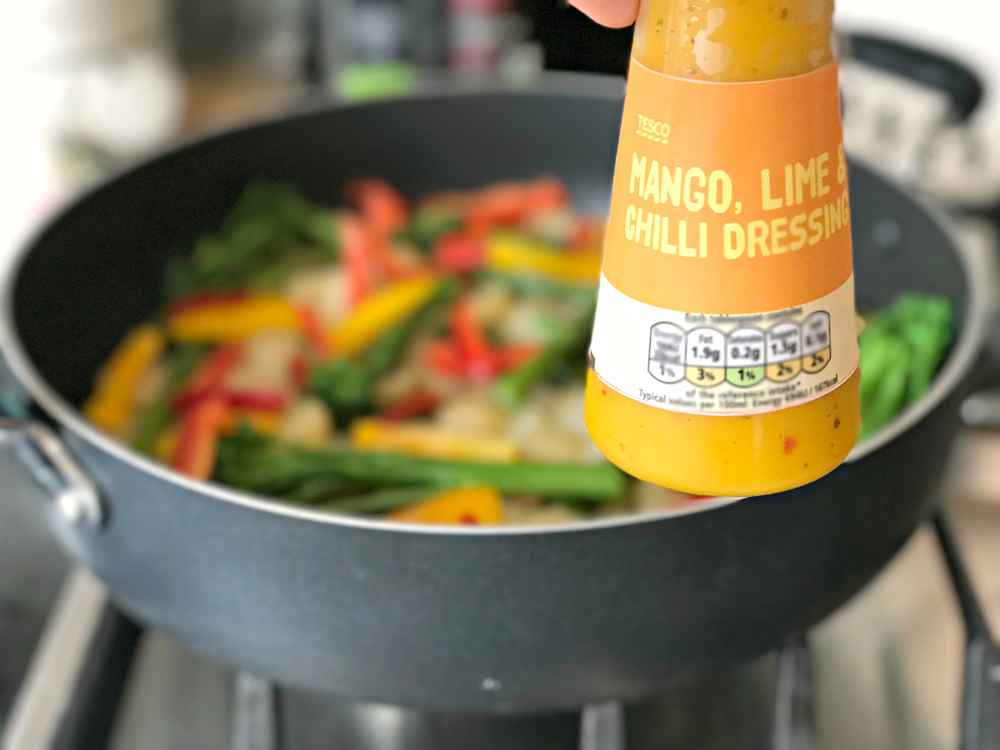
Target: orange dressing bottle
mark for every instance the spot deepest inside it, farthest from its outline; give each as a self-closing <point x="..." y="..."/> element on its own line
<point x="724" y="357"/>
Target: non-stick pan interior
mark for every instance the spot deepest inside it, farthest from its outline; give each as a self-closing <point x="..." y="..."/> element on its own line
<point x="96" y="270"/>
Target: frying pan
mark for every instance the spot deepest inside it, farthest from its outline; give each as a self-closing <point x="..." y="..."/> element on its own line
<point x="466" y="618"/>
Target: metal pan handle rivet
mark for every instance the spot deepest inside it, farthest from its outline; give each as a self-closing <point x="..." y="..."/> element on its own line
<point x="42" y="452"/>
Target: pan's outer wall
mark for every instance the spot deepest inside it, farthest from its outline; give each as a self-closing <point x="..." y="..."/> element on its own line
<point x="556" y="620"/>
<point x="507" y="622"/>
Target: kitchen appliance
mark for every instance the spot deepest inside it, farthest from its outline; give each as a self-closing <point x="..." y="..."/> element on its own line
<point x="98" y="681"/>
<point x="466" y="618"/>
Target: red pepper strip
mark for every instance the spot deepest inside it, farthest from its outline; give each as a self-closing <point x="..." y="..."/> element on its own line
<point x="382" y="257"/>
<point x="459" y="253"/>
<point x="261" y="400"/>
<point x="203" y="299"/>
<point x="314" y="331"/>
<point x="473" y="346"/>
<point x="509" y="203"/>
<point x="201" y="425"/>
<point x="209" y="375"/>
<point x="382" y="206"/>
<point x="547" y="193"/>
<point x="384" y="211"/>
<point x="444" y="357"/>
<point x="361" y="278"/>
<point x="417" y="405"/>
<point x="515" y="355"/>
<point x="586" y="236"/>
<point x="300" y="372"/>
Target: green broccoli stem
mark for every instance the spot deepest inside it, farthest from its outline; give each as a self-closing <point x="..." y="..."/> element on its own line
<point x="346" y="383"/>
<point x="510" y="389"/>
<point x="262" y="464"/>
<point x="555" y="481"/>
<point x="380" y="501"/>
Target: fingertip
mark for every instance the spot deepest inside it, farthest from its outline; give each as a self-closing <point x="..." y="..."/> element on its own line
<point x="613" y="13"/>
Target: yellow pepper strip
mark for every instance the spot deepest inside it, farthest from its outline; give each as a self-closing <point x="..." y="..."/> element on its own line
<point x="110" y="405"/>
<point x="513" y="253"/>
<point x="381" y="310"/>
<point x="231" y="320"/>
<point x="467" y="505"/>
<point x="426" y="441"/>
<point x="166" y="444"/>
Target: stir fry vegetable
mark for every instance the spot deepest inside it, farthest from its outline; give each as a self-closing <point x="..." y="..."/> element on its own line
<point x="382" y="310"/>
<point x="467" y="505"/>
<point x="111" y="404"/>
<point x="423" y="361"/>
<point x="219" y="320"/>
<point x="256" y="462"/>
<point x="902" y="347"/>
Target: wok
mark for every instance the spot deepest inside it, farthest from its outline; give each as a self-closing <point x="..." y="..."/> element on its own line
<point x="466" y="618"/>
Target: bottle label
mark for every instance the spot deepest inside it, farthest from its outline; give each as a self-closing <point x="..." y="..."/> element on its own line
<point x="727" y="285"/>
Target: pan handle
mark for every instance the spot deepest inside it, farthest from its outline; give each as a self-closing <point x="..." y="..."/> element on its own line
<point x="979" y="240"/>
<point x="42" y="452"/>
<point x="981" y="410"/>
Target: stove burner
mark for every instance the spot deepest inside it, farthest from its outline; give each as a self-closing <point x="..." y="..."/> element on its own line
<point x="73" y="695"/>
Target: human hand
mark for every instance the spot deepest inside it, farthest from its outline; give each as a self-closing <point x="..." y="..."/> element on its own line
<point x="614" y="13"/>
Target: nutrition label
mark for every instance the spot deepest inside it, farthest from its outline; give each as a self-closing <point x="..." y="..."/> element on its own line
<point x="724" y="364"/>
<point x="745" y="357"/>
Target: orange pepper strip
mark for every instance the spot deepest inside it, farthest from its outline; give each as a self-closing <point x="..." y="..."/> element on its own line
<point x="198" y="443"/>
<point x="467" y="505"/>
<point x="110" y="406"/>
<point x="226" y="321"/>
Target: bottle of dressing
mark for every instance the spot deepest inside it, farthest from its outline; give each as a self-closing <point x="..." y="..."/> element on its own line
<point x="724" y="355"/>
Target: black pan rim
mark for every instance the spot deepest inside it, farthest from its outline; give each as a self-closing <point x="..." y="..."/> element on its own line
<point x="960" y="361"/>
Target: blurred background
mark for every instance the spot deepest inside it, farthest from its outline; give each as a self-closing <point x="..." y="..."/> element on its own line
<point x="92" y="86"/>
